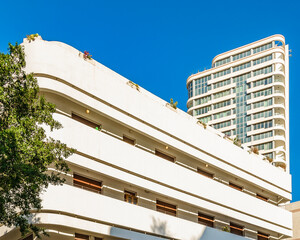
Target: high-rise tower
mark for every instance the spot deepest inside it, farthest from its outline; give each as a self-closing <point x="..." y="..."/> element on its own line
<point x="246" y="96"/>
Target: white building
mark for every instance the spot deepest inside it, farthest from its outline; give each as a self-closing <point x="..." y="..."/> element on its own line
<point x="246" y="95"/>
<point x="144" y="170"/>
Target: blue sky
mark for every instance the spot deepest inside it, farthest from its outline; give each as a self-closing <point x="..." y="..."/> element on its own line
<point x="158" y="44"/>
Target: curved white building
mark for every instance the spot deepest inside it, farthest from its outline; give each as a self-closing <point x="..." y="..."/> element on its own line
<point x="144" y="170"/>
<point x="246" y="95"/>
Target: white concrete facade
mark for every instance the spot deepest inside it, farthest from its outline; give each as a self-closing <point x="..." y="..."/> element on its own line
<point x="252" y="82"/>
<point x="157" y="153"/>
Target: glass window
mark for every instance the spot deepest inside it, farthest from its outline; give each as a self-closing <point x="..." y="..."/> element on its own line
<point x="241" y="55"/>
<point x="264" y="103"/>
<point x="263" y="114"/>
<point x="203" y="110"/>
<point x="264" y="81"/>
<point x="262" y="135"/>
<point x="201" y="85"/>
<point x="190" y="89"/>
<point x="222" y="61"/>
<point x="222" y="114"/>
<point x="205" y="119"/>
<point x="222" y="104"/>
<point x="222" y="124"/>
<point x="265" y="70"/>
<point x="262" y="60"/>
<point x="222" y="73"/>
<point x="222" y="83"/>
<point x="262" y="48"/>
<point x="203" y="100"/>
<point x="130" y="197"/>
<point x="222" y="94"/>
<point x="241" y="67"/>
<point x="264" y="92"/>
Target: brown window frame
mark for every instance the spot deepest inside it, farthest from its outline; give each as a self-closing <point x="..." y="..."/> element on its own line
<point x="79" y="236"/>
<point x="129" y="140"/>
<point x="205" y="173"/>
<point x="237" y="229"/>
<point x="166" y="208"/>
<point x="164" y="155"/>
<point x="87" y="183"/>
<point x="262" y="236"/>
<point x="85" y="121"/>
<point x="130" y="197"/>
<point x="205" y="219"/>
<point x="235" y="186"/>
<point x="262" y="197"/>
<point x="98" y="238"/>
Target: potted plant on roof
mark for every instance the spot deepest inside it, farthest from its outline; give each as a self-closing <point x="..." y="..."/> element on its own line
<point x="87" y="55"/>
<point x="203" y="124"/>
<point x="32" y="37"/>
<point x="133" y="85"/>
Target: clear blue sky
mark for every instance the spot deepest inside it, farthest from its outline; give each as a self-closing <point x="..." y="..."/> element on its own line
<point x="159" y="43"/>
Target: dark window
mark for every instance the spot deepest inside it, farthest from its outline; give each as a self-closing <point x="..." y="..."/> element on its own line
<point x="86" y="183"/>
<point x="262" y="236"/>
<point x="130" y="197"/>
<point x="206" y="174"/>
<point x="262" y="197"/>
<point x="235" y="186"/>
<point x="236" y="229"/>
<point x="165" y="208"/>
<point x="79" y="236"/>
<point x="85" y="121"/>
<point x="30" y="237"/>
<point x="97" y="238"/>
<point x="206" y="220"/>
<point x="128" y="140"/>
<point x="163" y="155"/>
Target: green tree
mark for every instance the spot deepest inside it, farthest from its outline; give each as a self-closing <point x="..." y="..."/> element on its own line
<point x="25" y="150"/>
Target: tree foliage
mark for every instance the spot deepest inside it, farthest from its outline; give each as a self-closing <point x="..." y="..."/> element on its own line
<point x="25" y="150"/>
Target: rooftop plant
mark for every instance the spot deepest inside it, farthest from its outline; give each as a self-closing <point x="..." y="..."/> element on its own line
<point x="202" y="123"/>
<point x="173" y="104"/>
<point x="225" y="229"/>
<point x="32" y="37"/>
<point x="134" y="84"/>
<point x="87" y="55"/>
<point x="237" y="142"/>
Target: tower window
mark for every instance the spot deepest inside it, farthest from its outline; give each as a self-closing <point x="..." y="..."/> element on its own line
<point x="130" y="197"/>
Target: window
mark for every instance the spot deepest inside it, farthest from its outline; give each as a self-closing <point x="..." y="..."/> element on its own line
<point x="264" y="81"/>
<point x="222" y="94"/>
<point x="265" y="146"/>
<point x="265" y="70"/>
<point x="203" y="100"/>
<point x="201" y="85"/>
<point x="190" y="89"/>
<point x="262" y="60"/>
<point x="204" y="173"/>
<point x="262" y="197"/>
<point x="164" y="156"/>
<point x="222" y="114"/>
<point x="267" y="124"/>
<point x="79" y="236"/>
<point x="97" y="238"/>
<point x="262" y="135"/>
<point x="30" y="237"/>
<point x="222" y="73"/>
<point x="166" y="208"/>
<point x="222" y="61"/>
<point x="241" y="67"/>
<point x="86" y="183"/>
<point x="202" y="110"/>
<point x="241" y="55"/>
<point x="205" y="119"/>
<point x="264" y="92"/>
<point x="85" y="121"/>
<point x="206" y="219"/>
<point x="262" y="236"/>
<point x="222" y="83"/>
<point x="236" y="229"/>
<point x="241" y="78"/>
<point x="237" y="187"/>
<point x="264" y="114"/>
<point x="130" y="197"/>
<point x="264" y="103"/>
<point x="222" y="124"/>
<point x="222" y="104"/>
<point x="128" y="140"/>
<point x="262" y="48"/>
